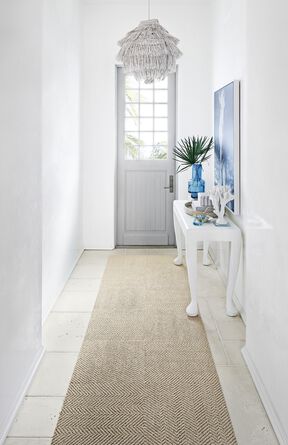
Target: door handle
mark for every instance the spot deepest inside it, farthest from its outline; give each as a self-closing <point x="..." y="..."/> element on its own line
<point x="171" y="184"/>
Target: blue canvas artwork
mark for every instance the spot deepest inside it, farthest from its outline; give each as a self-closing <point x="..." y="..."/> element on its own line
<point x="226" y="137"/>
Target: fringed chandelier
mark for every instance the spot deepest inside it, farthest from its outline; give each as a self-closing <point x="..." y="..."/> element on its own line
<point x="149" y="52"/>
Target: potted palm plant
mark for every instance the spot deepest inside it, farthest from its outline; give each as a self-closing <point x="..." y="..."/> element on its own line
<point x="193" y="151"/>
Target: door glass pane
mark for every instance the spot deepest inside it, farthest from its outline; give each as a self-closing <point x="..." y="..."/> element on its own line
<point x="160" y="152"/>
<point x="131" y="147"/>
<point x="146" y="124"/>
<point x="152" y="153"/>
<point x="161" y="110"/>
<point x="161" y="138"/>
<point x="160" y="124"/>
<point x="132" y="110"/>
<point x="146" y="138"/>
<point x="146" y="110"/>
<point x="161" y="96"/>
<point x="131" y="124"/>
<point x="131" y="95"/>
<point x="146" y="96"/>
<point x="132" y="136"/>
<point x="146" y="153"/>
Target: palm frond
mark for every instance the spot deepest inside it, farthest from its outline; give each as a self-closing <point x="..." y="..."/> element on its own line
<point x="192" y="150"/>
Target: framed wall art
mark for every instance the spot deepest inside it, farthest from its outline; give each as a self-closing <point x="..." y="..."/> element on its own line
<point x="227" y="141"/>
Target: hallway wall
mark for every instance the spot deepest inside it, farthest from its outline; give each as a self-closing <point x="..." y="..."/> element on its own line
<point x="266" y="234"/>
<point x="20" y="201"/>
<point x="61" y="162"/>
<point x="229" y="63"/>
<point x="106" y="22"/>
<point x="261" y="63"/>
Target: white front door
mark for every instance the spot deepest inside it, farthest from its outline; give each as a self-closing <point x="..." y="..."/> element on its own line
<point x="146" y="169"/>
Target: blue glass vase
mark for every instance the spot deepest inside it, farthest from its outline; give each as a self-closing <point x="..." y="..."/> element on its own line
<point x="196" y="184"/>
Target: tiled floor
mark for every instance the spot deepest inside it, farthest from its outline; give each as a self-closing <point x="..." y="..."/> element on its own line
<point x="64" y="331"/>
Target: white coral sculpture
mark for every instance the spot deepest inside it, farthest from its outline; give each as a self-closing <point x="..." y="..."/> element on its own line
<point x="220" y="196"/>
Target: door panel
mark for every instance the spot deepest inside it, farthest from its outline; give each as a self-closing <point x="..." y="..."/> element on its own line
<point x="146" y="136"/>
<point x="145" y="201"/>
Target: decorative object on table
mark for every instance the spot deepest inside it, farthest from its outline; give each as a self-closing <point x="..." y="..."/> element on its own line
<point x="196" y="184"/>
<point x="204" y="199"/>
<point x="200" y="219"/>
<point x="193" y="151"/>
<point x="206" y="211"/>
<point x="226" y="138"/>
<point x="220" y="196"/>
<point x="149" y="52"/>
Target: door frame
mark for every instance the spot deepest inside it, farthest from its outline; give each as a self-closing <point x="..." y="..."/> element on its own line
<point x="116" y="184"/>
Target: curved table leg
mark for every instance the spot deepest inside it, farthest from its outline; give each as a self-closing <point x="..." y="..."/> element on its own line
<point x="235" y="250"/>
<point x="179" y="242"/>
<point x="191" y="261"/>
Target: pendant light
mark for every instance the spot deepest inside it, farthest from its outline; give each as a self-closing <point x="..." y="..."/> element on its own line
<point x="149" y="52"/>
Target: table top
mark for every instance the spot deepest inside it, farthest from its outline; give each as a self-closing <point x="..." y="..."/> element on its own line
<point x="207" y="230"/>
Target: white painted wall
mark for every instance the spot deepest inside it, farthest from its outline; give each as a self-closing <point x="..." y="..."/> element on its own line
<point x="106" y="22"/>
<point x="20" y="200"/>
<point x="262" y="66"/>
<point x="267" y="236"/>
<point x="229" y="63"/>
<point x="61" y="145"/>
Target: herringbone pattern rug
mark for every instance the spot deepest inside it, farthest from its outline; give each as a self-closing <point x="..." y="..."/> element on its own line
<point x="145" y="374"/>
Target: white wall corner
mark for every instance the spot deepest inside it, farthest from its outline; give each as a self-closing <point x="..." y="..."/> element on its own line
<point x="265" y="398"/>
<point x="54" y="297"/>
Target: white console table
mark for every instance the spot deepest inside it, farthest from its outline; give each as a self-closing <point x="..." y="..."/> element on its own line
<point x="188" y="235"/>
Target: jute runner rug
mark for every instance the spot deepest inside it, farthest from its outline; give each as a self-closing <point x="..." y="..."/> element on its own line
<point x="145" y="374"/>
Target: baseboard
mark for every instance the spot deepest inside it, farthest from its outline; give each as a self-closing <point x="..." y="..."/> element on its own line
<point x="105" y="248"/>
<point x="265" y="398"/>
<point x="52" y="304"/>
<point x="20" y="396"/>
<point x="223" y="277"/>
